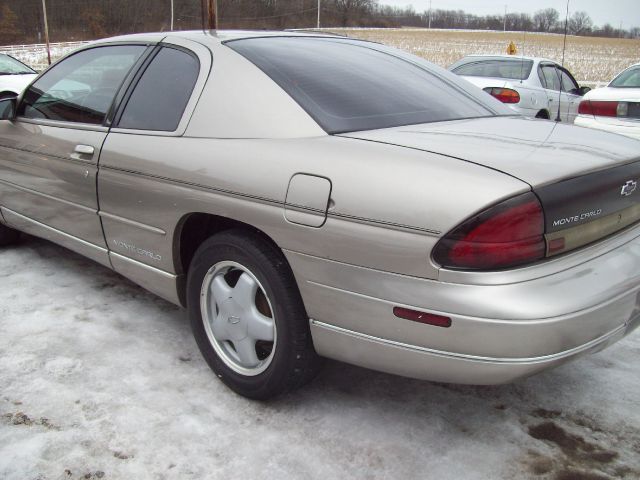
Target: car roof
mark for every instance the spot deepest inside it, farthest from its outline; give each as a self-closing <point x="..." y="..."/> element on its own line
<point x="215" y="36"/>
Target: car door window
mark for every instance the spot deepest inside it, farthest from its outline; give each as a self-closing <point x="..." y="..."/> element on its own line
<point x="568" y="83"/>
<point x="161" y="95"/>
<point x="549" y="77"/>
<point x="80" y="88"/>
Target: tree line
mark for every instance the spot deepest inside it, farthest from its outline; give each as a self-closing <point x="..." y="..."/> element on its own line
<point x="21" y="21"/>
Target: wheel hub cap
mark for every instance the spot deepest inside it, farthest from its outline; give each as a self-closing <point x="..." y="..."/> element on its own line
<point x="238" y="318"/>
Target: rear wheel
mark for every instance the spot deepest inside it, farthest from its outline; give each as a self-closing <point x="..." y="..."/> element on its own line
<point x="543" y="114"/>
<point x="247" y="316"/>
<point x="8" y="236"/>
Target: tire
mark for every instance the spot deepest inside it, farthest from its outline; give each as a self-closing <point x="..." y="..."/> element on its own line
<point x="543" y="114"/>
<point x="8" y="236"/>
<point x="247" y="316"/>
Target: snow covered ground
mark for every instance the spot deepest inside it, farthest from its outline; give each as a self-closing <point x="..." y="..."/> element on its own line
<point x="100" y="379"/>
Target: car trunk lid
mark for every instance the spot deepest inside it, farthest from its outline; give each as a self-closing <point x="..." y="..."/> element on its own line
<point x="586" y="180"/>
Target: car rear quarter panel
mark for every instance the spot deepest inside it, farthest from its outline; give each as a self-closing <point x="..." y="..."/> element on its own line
<point x="389" y="205"/>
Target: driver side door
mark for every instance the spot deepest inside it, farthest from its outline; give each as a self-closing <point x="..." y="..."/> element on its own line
<point x="49" y="153"/>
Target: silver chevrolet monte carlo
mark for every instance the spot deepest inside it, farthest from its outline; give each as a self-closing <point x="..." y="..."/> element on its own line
<point x="308" y="196"/>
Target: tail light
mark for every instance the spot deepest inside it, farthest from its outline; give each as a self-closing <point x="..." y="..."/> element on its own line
<point x="505" y="95"/>
<point x="508" y="234"/>
<point x="603" y="109"/>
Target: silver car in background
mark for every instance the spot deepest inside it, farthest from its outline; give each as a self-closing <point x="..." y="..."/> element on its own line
<point x="531" y="86"/>
<point x="308" y="196"/>
<point x="14" y="76"/>
<point x="616" y="107"/>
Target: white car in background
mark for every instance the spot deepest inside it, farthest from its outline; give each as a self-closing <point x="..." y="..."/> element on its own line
<point x="616" y="107"/>
<point x="14" y="76"/>
<point x="534" y="87"/>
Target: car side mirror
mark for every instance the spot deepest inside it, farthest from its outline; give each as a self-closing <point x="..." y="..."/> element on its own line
<point x="582" y="91"/>
<point x="8" y="108"/>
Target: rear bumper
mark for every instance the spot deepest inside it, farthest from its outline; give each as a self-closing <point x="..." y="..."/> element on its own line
<point x="500" y="332"/>
<point x="627" y="128"/>
<point x="427" y="364"/>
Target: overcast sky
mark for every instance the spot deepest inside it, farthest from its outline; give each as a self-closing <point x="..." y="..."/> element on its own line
<point x="600" y="11"/>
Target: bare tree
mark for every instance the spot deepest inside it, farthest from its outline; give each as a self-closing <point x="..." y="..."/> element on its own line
<point x="580" y="23"/>
<point x="348" y="9"/>
<point x="545" y="20"/>
<point x="9" y="26"/>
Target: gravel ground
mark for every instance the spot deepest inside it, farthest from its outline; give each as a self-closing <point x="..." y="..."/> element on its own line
<point x="100" y="379"/>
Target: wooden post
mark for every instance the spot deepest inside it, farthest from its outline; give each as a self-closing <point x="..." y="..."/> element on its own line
<point x="46" y="30"/>
<point x="212" y="15"/>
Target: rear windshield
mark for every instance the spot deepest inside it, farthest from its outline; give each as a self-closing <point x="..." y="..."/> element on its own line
<point x="350" y="86"/>
<point x="511" y="69"/>
<point x="630" y="78"/>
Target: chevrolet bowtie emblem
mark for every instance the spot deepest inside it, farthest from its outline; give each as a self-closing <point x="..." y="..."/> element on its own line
<point x="628" y="188"/>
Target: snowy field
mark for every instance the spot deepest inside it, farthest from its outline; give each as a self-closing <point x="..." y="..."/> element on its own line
<point x="100" y="379"/>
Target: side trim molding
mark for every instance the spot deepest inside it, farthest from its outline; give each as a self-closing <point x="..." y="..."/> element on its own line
<point x="133" y="223"/>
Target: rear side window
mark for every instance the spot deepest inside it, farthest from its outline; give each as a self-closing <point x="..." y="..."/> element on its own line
<point x="161" y="95"/>
<point x="349" y="86"/>
<point x="511" y="69"/>
<point x="81" y="87"/>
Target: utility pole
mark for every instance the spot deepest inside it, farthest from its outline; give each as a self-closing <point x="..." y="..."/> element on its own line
<point x="429" y="13"/>
<point x="505" y="18"/>
<point x="171" y="15"/>
<point x="46" y="30"/>
<point x="318" y="23"/>
<point x="212" y="14"/>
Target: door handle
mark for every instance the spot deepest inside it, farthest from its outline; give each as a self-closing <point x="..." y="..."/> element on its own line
<point x="84" y="149"/>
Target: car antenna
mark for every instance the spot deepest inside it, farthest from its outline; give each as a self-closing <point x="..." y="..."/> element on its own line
<point x="564" y="47"/>
<point x="524" y="42"/>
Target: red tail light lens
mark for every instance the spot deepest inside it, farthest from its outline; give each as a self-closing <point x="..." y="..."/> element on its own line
<point x="598" y="109"/>
<point x="505" y="235"/>
<point x="505" y="95"/>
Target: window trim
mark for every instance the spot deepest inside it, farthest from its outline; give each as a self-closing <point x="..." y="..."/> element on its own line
<point x="103" y="127"/>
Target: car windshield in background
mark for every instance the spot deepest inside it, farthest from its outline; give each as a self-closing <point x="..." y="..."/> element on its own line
<point x="630" y="78"/>
<point x="511" y="69"/>
<point x="11" y="66"/>
<point x="350" y="86"/>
